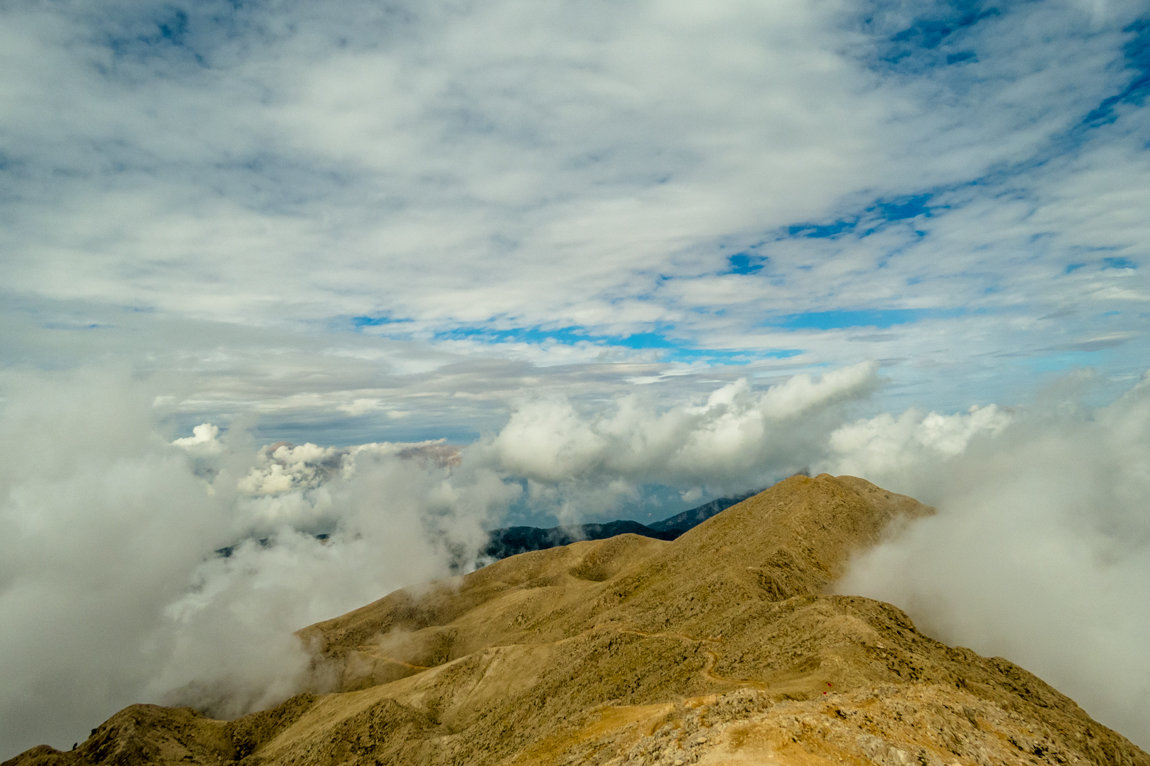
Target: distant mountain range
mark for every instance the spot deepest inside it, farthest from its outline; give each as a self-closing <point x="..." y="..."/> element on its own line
<point x="511" y="541"/>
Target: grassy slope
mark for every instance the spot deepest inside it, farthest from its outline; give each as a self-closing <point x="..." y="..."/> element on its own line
<point x="714" y="648"/>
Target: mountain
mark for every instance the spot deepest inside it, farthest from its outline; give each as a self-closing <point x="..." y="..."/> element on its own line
<point x="720" y="647"/>
<point x="689" y="519"/>
<point x="511" y="541"/>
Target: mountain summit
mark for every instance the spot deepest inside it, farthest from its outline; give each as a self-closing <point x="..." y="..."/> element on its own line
<point x="717" y="648"/>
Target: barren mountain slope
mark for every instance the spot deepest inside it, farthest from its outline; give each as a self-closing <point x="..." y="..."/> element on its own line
<point x="714" y="648"/>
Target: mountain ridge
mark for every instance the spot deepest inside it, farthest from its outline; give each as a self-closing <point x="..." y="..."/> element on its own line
<point x="720" y="647"/>
<point x="510" y="541"/>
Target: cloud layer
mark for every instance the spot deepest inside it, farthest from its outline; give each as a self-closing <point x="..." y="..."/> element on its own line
<point x="736" y="440"/>
<point x="341" y="218"/>
<point x="112" y="592"/>
<point x="1040" y="551"/>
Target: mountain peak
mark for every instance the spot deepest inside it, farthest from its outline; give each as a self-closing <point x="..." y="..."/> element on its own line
<point x="718" y="647"/>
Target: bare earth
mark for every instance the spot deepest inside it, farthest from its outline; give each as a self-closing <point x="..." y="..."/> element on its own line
<point x="717" y="648"/>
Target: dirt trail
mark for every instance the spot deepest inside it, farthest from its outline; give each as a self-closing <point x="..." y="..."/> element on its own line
<point x="712" y="656"/>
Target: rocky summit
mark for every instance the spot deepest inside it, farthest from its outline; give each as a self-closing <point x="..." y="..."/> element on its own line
<point x="720" y="647"/>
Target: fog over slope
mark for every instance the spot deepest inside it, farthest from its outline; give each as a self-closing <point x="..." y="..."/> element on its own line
<point x="109" y="588"/>
<point x="110" y="592"/>
<point x="1041" y="549"/>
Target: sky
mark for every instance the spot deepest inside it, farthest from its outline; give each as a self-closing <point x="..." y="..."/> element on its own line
<point x="484" y="262"/>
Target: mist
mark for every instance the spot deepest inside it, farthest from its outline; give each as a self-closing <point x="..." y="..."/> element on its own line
<point x="111" y="590"/>
<point x="1040" y="550"/>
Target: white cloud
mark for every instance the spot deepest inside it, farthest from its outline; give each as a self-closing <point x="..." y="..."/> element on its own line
<point x="110" y="590"/>
<point x="884" y="446"/>
<point x="204" y="441"/>
<point x="277" y="174"/>
<point x="740" y="438"/>
<point x="1040" y="551"/>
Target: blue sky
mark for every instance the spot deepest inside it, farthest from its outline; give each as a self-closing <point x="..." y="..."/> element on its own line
<point x="367" y="194"/>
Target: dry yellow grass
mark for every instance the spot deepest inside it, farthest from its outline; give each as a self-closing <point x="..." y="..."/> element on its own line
<point x="717" y="648"/>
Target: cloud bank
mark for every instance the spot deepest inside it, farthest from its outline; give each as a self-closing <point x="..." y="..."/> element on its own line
<point x="112" y="592"/>
<point x="110" y="588"/>
<point x="1040" y="551"/>
<point x="738" y="438"/>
